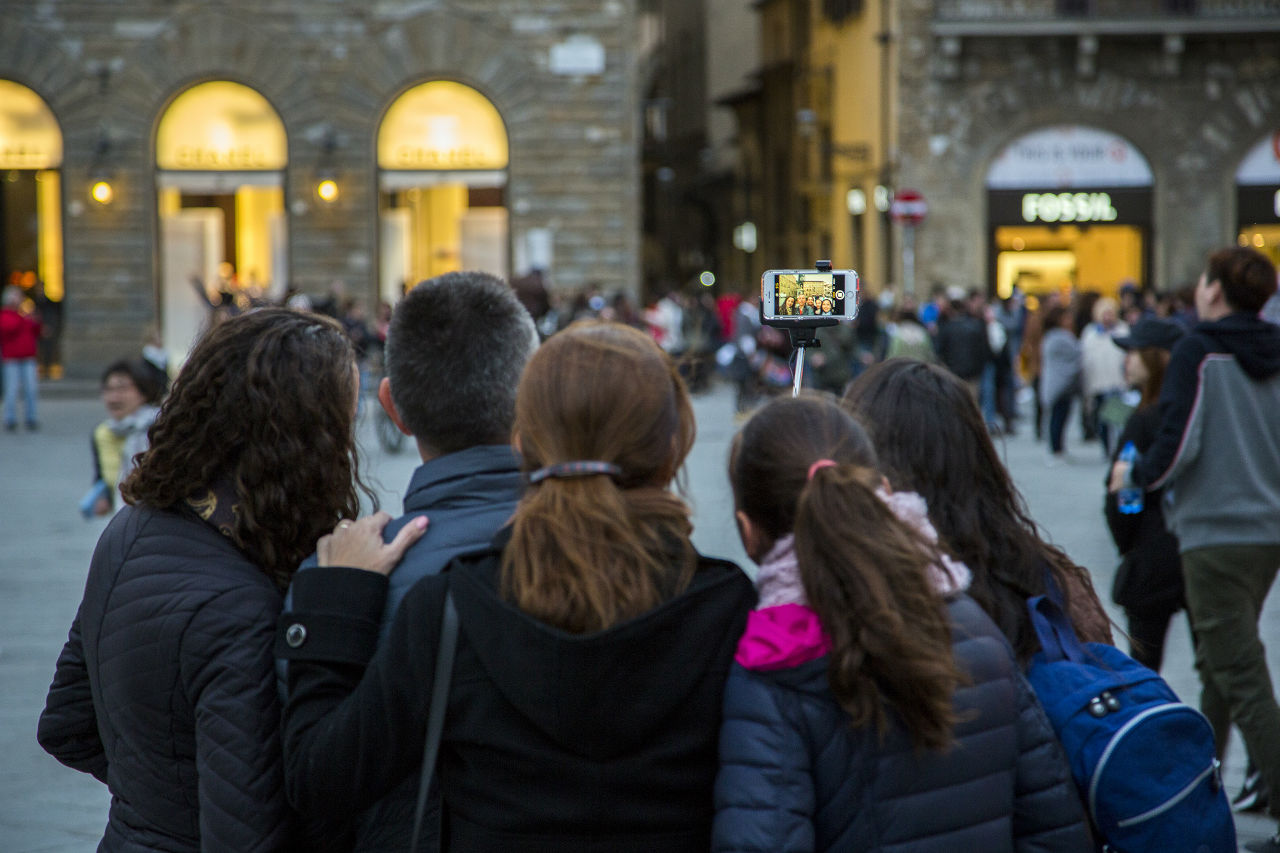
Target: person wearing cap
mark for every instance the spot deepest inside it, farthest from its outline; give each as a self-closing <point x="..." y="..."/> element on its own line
<point x="1148" y="583"/>
<point x="1218" y="446"/>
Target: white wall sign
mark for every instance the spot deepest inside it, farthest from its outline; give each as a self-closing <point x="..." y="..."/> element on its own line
<point x="1069" y="157"/>
<point x="1261" y="166"/>
<point x="577" y="55"/>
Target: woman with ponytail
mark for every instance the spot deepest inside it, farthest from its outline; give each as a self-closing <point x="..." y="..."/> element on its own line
<point x="594" y="646"/>
<point x="873" y="705"/>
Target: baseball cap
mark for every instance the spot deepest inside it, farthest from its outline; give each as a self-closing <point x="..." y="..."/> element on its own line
<point x="1150" y="332"/>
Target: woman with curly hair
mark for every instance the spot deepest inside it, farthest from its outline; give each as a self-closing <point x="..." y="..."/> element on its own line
<point x="873" y="705"/>
<point x="165" y="689"/>
<point x="593" y="640"/>
<point x="932" y="439"/>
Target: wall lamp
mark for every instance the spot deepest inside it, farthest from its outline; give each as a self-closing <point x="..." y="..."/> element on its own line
<point x="326" y="177"/>
<point x="100" y="189"/>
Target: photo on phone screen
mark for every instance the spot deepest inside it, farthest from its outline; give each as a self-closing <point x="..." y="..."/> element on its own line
<point x="808" y="294"/>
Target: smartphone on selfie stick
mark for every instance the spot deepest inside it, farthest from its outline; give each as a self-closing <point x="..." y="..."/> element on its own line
<point x="803" y="301"/>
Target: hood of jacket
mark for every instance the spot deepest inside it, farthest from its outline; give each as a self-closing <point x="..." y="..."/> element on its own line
<point x="1252" y="341"/>
<point x="602" y="695"/>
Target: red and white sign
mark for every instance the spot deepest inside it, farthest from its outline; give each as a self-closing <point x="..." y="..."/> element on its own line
<point x="908" y="207"/>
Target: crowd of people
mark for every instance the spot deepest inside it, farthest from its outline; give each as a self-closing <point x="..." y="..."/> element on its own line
<point x="255" y="666"/>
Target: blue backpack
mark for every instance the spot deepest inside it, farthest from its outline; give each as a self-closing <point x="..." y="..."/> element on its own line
<point x="1143" y="761"/>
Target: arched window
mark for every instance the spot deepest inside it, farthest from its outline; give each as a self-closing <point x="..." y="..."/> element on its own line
<point x="30" y="198"/>
<point x="1069" y="207"/>
<point x="221" y="151"/>
<point x="442" y="160"/>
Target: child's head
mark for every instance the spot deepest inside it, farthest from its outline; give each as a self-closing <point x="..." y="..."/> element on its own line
<point x="770" y="460"/>
<point x="126" y="386"/>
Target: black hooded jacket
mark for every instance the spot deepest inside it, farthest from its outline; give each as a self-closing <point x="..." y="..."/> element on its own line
<point x="553" y="741"/>
<point x="1219" y="439"/>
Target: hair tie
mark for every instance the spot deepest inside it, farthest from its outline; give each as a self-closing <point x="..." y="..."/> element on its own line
<point x="565" y="470"/>
<point x="821" y="463"/>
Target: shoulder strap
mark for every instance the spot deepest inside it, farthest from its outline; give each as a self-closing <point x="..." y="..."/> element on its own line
<point x="435" y="717"/>
<point x="1057" y="637"/>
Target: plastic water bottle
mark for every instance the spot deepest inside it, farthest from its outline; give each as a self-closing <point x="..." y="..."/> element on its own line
<point x="1129" y="500"/>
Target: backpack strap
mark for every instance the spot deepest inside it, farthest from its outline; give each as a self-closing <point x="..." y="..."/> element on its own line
<point x="435" y="716"/>
<point x="1049" y="617"/>
<point x="1057" y="638"/>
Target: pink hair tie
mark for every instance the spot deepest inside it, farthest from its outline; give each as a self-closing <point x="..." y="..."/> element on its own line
<point x="821" y="463"/>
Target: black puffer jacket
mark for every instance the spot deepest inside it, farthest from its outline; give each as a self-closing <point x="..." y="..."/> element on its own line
<point x="166" y="690"/>
<point x="553" y="742"/>
<point x="795" y="776"/>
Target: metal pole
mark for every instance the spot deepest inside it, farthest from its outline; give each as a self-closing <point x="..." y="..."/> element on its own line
<point x="795" y="387"/>
<point x="909" y="259"/>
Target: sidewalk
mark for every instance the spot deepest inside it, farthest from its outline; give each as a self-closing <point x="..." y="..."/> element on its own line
<point x="45" y="548"/>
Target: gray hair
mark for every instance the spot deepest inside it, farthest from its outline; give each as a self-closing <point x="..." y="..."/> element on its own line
<point x="455" y="351"/>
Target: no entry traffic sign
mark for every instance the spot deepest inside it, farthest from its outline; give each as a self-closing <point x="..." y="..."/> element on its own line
<point x="908" y="207"/>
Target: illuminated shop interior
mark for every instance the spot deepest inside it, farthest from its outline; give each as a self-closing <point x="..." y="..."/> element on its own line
<point x="221" y="152"/>
<point x="30" y="190"/>
<point x="442" y="159"/>
<point x="1264" y="238"/>
<point x="1041" y="259"/>
<point x="1258" y="197"/>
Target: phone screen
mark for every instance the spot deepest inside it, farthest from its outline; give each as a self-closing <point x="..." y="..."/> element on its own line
<point x="809" y="294"/>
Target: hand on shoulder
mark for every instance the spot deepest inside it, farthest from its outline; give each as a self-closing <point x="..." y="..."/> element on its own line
<point x="358" y="544"/>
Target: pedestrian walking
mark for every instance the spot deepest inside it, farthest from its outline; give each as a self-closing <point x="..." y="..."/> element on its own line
<point x="1148" y="584"/>
<point x="873" y="705"/>
<point x="131" y="396"/>
<point x="1060" y="360"/>
<point x="962" y="344"/>
<point x="19" y="342"/>
<point x="1218" y="449"/>
<point x="931" y="439"/>
<point x="594" y="642"/>
<point x="1102" y="367"/>
<point x="166" y="687"/>
<point x="1030" y="353"/>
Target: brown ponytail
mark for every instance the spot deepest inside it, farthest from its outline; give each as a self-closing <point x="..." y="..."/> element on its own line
<point x="589" y="552"/>
<point x="890" y="636"/>
<point x="865" y="572"/>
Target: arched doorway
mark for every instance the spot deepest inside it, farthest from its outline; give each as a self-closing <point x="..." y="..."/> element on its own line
<point x="1258" y="197"/>
<point x="221" y="152"/>
<point x="442" y="177"/>
<point x="31" y="209"/>
<point x="1069" y="207"/>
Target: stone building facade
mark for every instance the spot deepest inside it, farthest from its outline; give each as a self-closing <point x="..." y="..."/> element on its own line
<point x="562" y="77"/>
<point x="1186" y="89"/>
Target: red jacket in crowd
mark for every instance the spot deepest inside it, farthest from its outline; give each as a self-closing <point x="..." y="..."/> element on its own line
<point x="18" y="335"/>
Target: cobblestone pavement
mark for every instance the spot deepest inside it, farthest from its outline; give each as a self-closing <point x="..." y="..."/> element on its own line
<point x="45" y="548"/>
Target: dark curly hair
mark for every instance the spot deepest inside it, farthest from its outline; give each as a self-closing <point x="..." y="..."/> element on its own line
<point x="264" y="406"/>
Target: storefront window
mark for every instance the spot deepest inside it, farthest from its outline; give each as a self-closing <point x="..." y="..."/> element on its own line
<point x="442" y="158"/>
<point x="31" y="210"/>
<point x="1258" y="198"/>
<point x="221" y="152"/>
<point x="1069" y="207"/>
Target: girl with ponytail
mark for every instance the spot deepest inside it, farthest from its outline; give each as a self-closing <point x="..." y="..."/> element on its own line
<point x="594" y="641"/>
<point x="872" y="704"/>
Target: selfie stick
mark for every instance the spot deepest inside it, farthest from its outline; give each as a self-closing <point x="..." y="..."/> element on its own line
<point x="807" y="336"/>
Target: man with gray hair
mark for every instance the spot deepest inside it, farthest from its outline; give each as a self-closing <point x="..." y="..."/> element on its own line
<point x="455" y="350"/>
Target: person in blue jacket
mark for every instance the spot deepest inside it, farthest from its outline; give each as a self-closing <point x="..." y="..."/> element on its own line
<point x="456" y="346"/>
<point x="872" y="704"/>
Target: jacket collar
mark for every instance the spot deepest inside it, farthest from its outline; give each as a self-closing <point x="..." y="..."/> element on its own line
<point x="460" y="478"/>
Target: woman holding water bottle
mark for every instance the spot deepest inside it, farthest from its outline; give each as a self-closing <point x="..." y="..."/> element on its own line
<point x="1148" y="584"/>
